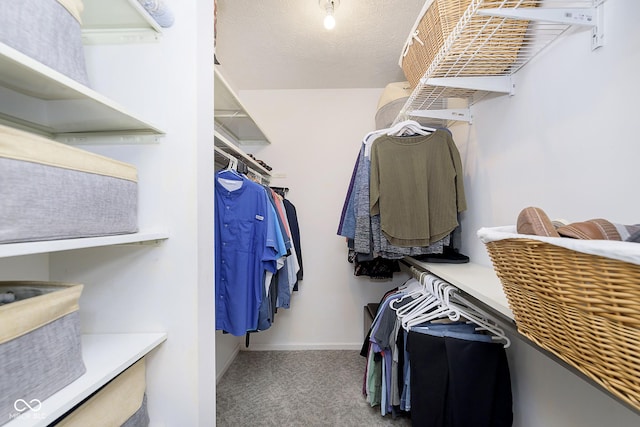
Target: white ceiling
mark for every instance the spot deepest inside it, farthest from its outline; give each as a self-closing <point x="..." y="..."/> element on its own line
<point x="282" y="44"/>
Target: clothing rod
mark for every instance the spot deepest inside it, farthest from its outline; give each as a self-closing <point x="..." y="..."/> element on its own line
<point x="231" y="157"/>
<point x="223" y="153"/>
<point x="281" y="190"/>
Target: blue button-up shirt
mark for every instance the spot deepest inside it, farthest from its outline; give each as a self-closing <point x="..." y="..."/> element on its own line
<point x="243" y="251"/>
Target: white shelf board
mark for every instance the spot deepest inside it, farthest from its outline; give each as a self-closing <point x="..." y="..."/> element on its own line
<point x="231" y="115"/>
<point x="31" y="248"/>
<point x="117" y="21"/>
<point x="36" y="97"/>
<point x="105" y="356"/>
<point x="477" y="280"/>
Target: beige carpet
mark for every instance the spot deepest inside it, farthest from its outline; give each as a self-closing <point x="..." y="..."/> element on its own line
<point x="297" y="388"/>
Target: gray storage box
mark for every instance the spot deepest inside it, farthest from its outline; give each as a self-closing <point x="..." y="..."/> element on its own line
<point x="40" y="349"/>
<point x="54" y="191"/>
<point x="48" y="31"/>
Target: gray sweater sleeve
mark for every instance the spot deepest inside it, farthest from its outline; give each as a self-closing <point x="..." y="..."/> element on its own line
<point x="363" y="219"/>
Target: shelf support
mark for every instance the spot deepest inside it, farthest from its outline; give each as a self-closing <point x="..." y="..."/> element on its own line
<point x="119" y="36"/>
<point x="571" y="16"/>
<point x="587" y="17"/>
<point x="107" y="138"/>
<point x="459" y="114"/>
<point x="498" y="84"/>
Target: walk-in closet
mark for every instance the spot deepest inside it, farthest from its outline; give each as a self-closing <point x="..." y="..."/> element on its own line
<point x="555" y="131"/>
<point x="319" y="213"/>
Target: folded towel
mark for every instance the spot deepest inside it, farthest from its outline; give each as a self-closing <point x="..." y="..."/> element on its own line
<point x="158" y="11"/>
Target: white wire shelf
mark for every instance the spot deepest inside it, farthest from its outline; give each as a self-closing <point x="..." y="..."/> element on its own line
<point x="492" y="40"/>
<point x="231" y="116"/>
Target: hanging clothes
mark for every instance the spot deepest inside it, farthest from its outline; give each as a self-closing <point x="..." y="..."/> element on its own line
<point x="444" y="372"/>
<point x="292" y="217"/>
<point x="294" y="229"/>
<point x="374" y="250"/>
<point x="458" y="381"/>
<point x="245" y="248"/>
<point x="416" y="187"/>
<point x="267" y="308"/>
<point x="257" y="250"/>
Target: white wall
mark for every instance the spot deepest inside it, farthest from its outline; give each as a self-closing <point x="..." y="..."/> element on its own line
<point x="316" y="138"/>
<point x="565" y="142"/>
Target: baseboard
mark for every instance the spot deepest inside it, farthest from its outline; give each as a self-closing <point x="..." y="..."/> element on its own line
<point x="226" y="366"/>
<point x="295" y="347"/>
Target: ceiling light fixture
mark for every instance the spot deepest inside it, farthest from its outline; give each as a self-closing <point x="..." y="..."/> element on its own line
<point x="329" y="7"/>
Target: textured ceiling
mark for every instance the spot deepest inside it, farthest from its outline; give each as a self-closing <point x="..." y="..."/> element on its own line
<point x="282" y="44"/>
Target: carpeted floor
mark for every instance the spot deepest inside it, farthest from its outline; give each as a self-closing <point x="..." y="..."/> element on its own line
<point x="297" y="388"/>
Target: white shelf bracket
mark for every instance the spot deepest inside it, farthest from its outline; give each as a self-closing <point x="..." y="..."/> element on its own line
<point x="571" y="16"/>
<point x="458" y="114"/>
<point x="106" y="138"/>
<point x="497" y="84"/>
<point x="597" y="32"/>
<point x="588" y="17"/>
<point x="119" y="36"/>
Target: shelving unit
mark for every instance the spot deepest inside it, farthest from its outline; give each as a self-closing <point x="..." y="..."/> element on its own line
<point x="34" y="97"/>
<point x="235" y="127"/>
<point x="105" y="356"/>
<point x="231" y="117"/>
<point x="38" y="99"/>
<point x="488" y="45"/>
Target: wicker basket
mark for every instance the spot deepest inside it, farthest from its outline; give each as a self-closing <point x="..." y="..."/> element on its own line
<point x="583" y="308"/>
<point x="479" y="45"/>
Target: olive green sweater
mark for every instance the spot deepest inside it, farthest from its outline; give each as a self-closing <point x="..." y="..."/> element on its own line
<point x="416" y="185"/>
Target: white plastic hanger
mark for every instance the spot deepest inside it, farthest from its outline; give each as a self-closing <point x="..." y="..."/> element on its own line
<point x="409" y="127"/>
<point x="441" y="299"/>
<point x="442" y="309"/>
<point x="427" y="304"/>
<point x="417" y="294"/>
<point x="476" y="315"/>
<point x="231" y="167"/>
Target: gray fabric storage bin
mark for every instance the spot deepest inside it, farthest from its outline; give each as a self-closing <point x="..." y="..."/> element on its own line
<point x="54" y="191"/>
<point x="47" y="32"/>
<point x="122" y="402"/>
<point x="40" y="348"/>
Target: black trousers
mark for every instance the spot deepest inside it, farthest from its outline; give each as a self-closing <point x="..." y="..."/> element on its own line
<point x="458" y="383"/>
